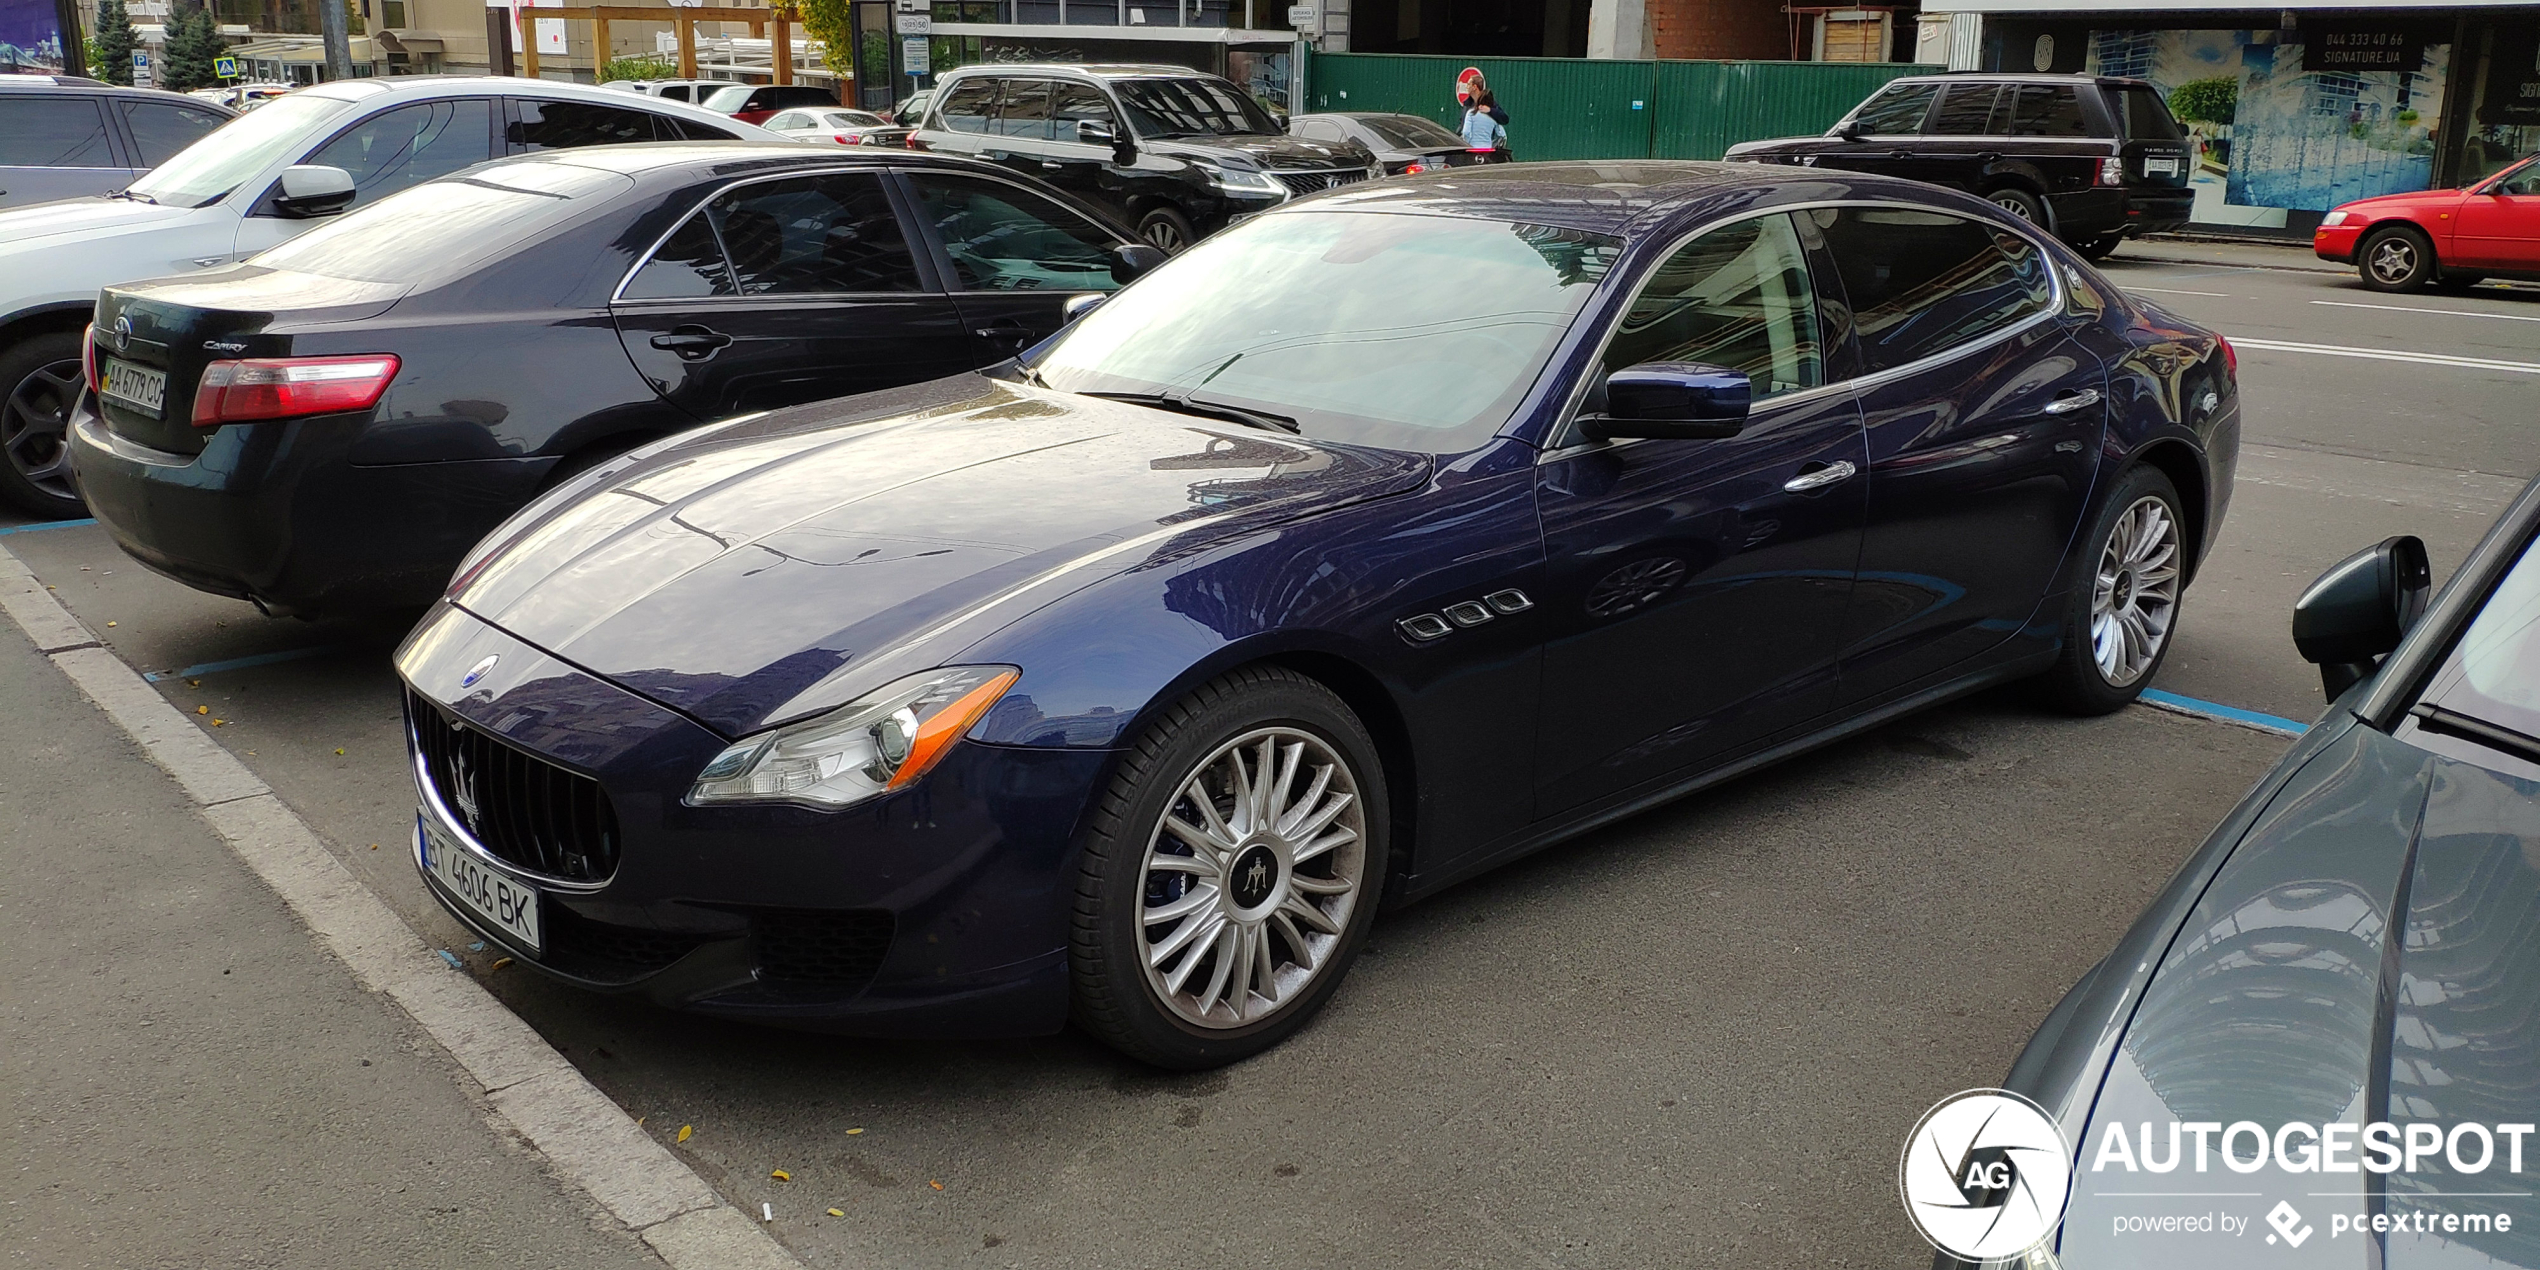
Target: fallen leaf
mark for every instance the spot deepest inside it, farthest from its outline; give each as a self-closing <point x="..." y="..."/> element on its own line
<point x="499" y="963"/>
<point x="933" y="1183"/>
<point x="193" y="683"/>
<point x="374" y="846"/>
<point x="685" y="1130"/>
<point x="202" y="709"/>
<point x="339" y="749"/>
<point x="219" y="722"/>
<point x="109" y="623"/>
<point x="780" y="1175"/>
<point x="837" y="1212"/>
<point x="852" y="1132"/>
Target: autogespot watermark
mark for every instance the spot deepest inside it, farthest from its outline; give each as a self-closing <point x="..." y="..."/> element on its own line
<point x="1987" y="1174"/>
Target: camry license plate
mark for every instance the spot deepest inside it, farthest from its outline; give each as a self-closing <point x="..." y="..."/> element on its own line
<point x="136" y="386"/>
<point x="511" y="907"/>
<point x="2160" y="167"/>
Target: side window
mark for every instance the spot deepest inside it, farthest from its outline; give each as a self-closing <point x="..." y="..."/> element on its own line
<point x="1026" y="112"/>
<point x="1005" y="238"/>
<point x="2522" y="184"/>
<point x="670" y="129"/>
<point x="1964" y="110"/>
<point x="688" y="266"/>
<point x="814" y="235"/>
<point x="562" y="125"/>
<point x="787" y="119"/>
<point x="53" y="132"/>
<point x="1922" y="282"/>
<point x="407" y="146"/>
<point x="1897" y="112"/>
<point x="1737" y="297"/>
<point x="967" y="108"/>
<point x="161" y="129"/>
<point x="1072" y="104"/>
<point x="2049" y="110"/>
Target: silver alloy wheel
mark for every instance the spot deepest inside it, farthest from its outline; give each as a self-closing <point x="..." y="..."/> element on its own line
<point x="2393" y="259"/>
<point x="1166" y="235"/>
<point x="2015" y="205"/>
<point x="35" y="426"/>
<point x="2134" y="596"/>
<point x="1250" y="877"/>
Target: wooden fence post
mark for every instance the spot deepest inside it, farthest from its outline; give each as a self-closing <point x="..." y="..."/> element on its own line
<point x="528" y="43"/>
<point x="781" y="51"/>
<point x="687" y="43"/>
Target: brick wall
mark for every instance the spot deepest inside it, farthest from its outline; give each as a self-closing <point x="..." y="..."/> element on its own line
<point x="1721" y="29"/>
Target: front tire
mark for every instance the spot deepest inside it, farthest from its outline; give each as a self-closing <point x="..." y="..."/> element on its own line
<point x="1167" y="228"/>
<point x="2395" y="260"/>
<point x="2122" y="606"/>
<point x="40" y="379"/>
<point x="1229" y="872"/>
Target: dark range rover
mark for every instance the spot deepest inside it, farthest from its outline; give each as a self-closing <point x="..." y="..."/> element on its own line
<point x="2095" y="160"/>
<point x="1176" y="152"/>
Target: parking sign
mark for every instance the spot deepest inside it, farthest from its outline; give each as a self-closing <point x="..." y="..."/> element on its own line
<point x="141" y="77"/>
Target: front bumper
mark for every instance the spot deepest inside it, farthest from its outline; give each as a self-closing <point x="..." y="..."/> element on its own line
<point x="2337" y="242"/>
<point x="278" y="512"/>
<point x="939" y="911"/>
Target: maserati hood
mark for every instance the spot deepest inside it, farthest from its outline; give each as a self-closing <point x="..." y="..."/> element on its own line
<point x="726" y="574"/>
<point x="25" y="228"/>
<point x="2365" y="956"/>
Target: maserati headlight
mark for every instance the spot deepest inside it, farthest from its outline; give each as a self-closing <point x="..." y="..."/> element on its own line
<point x="872" y="745"/>
<point x="1245" y="182"/>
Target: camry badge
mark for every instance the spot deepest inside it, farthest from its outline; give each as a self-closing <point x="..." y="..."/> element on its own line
<point x="478" y="670"/>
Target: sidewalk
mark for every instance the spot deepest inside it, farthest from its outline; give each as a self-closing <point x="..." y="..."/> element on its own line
<point x="193" y="1081"/>
<point x="2168" y="249"/>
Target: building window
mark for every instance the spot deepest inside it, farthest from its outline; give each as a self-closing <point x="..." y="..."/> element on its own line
<point x="392" y="14"/>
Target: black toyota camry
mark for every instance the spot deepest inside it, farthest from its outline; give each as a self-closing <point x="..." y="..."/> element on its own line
<point x="332" y="424"/>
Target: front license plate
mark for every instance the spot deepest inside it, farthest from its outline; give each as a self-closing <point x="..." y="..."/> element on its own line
<point x="2160" y="167"/>
<point x="509" y="905"/>
<point x="136" y="386"/>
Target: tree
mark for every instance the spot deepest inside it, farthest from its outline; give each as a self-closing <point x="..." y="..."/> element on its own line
<point x="115" y="42"/>
<point x="827" y="22"/>
<point x="193" y="41"/>
<point x="2213" y="100"/>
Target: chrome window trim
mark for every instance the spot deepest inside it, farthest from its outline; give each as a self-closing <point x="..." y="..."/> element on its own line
<point x="2056" y="301"/>
<point x="617" y="295"/>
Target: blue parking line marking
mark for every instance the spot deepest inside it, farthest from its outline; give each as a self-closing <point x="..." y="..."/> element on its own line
<point x="241" y="663"/>
<point x="2229" y="714"/>
<point x="48" y="524"/>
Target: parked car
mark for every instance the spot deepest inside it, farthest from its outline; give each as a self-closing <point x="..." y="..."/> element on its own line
<point x="66" y="137"/>
<point x="2440" y="238"/>
<point x="263" y="178"/>
<point x="1176" y="152"/>
<point x="837" y="126"/>
<point x="687" y="90"/>
<point x="1406" y="144"/>
<point x="911" y="108"/>
<point x="1373" y="543"/>
<point x="330" y="426"/>
<point x="755" y="103"/>
<point x="2094" y="159"/>
<point x="243" y="96"/>
<point x="2350" y="946"/>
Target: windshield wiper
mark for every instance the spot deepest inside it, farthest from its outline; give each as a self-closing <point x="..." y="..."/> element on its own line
<point x="137" y="198"/>
<point x="1206" y="409"/>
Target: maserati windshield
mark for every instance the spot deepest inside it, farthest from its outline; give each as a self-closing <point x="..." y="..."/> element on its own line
<point x="209" y="169"/>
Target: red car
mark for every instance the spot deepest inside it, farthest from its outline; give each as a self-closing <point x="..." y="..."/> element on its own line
<point x="2447" y="238"/>
<point x="753" y="103"/>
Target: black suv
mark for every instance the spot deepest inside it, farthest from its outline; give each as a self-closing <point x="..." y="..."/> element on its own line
<point x="1175" y="152"/>
<point x="2092" y="159"/>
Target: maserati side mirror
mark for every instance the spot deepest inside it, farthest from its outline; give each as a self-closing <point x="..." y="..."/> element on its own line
<point x="1683" y="401"/>
<point x="313" y="189"/>
<point x="2359" y="610"/>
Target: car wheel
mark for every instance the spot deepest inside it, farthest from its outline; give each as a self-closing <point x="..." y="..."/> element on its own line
<point x="2123" y="604"/>
<point x="1229" y="872"/>
<point x="42" y="379"/>
<point x="1167" y="228"/>
<point x="2019" y="203"/>
<point x="2395" y="260"/>
<point x="2100" y="248"/>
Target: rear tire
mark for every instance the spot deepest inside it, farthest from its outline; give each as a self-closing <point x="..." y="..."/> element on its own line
<point x="2020" y="203"/>
<point x="2121" y="603"/>
<point x="1167" y="228"/>
<point x="2097" y="249"/>
<point x="1219" y="903"/>
<point x="40" y="379"/>
<point x="2395" y="259"/>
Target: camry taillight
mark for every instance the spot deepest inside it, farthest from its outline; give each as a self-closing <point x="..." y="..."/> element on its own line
<point x="2231" y="356"/>
<point x="2112" y="171"/>
<point x="289" y="387"/>
<point x="88" y="355"/>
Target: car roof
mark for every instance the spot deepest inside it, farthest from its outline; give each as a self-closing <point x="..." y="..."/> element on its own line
<point x="77" y="84"/>
<point x="1625" y="198"/>
<point x="428" y="87"/>
<point x="1094" y="70"/>
<point x="2024" y="77"/>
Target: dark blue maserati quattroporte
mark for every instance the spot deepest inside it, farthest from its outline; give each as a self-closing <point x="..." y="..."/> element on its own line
<point x="1378" y="541"/>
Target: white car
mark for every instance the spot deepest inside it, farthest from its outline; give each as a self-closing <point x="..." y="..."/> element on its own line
<point x="836" y="125"/>
<point x="258" y="180"/>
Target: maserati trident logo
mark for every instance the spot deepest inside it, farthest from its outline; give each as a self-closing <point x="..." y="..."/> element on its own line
<point x="1257" y="878"/>
<point x="463" y="789"/>
<point x="478" y="670"/>
<point x="1985" y="1175"/>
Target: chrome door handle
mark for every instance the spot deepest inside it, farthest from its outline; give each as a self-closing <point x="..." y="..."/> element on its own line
<point x="2073" y="401"/>
<point x="1821" y="478"/>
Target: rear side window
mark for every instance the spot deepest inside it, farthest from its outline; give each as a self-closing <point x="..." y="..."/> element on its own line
<point x="2049" y="110"/>
<point x="814" y="235"/>
<point x="1921" y="283"/>
<point x="52" y="132"/>
<point x="1026" y="110"/>
<point x="562" y="125"/>
<point x="161" y="129"/>
<point x="1897" y="112"/>
<point x="1738" y="298"/>
<point x="1964" y="110"/>
<point x="967" y="108"/>
<point x="688" y="266"/>
<point x="2143" y="116"/>
<point x="410" y="145"/>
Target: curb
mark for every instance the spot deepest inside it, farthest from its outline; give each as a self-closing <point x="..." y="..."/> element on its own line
<point x="589" y="1141"/>
<point x="2323" y="268"/>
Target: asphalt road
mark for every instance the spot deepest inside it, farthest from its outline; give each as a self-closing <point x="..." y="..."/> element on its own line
<point x="1698" y="1037"/>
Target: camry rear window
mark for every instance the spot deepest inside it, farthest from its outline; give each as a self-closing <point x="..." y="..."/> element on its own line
<point x="443" y="228"/>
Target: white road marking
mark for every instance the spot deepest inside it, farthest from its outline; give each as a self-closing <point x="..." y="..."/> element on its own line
<point x="2389" y="355"/>
<point x="2401" y="308"/>
<point x="591" y="1141"/>
<point x="2218" y="295"/>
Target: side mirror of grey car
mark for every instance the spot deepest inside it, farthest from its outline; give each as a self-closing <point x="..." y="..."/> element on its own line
<point x="1094" y="132"/>
<point x="2358" y="610"/>
<point x="313" y="189"/>
<point x="1131" y="261"/>
<point x="1684" y="401"/>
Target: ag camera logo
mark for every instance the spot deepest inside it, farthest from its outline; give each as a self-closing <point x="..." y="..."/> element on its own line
<point x="1985" y="1174"/>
